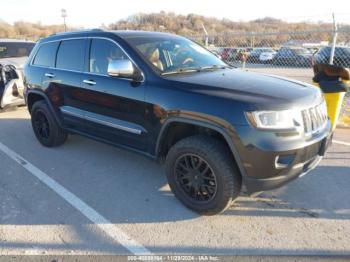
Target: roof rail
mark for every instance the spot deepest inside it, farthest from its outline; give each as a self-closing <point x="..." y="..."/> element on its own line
<point x="77" y="31"/>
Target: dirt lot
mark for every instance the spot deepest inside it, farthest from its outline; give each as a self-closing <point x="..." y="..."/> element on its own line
<point x="90" y="198"/>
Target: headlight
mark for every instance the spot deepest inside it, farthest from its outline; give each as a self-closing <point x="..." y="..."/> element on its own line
<point x="286" y="119"/>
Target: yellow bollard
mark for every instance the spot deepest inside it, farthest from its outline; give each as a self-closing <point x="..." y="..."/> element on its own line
<point x="334" y="102"/>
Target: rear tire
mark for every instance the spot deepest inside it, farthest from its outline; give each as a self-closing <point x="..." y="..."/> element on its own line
<point x="196" y="167"/>
<point x="45" y="126"/>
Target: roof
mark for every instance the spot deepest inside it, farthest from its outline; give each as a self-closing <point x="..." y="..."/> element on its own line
<point x="120" y="33"/>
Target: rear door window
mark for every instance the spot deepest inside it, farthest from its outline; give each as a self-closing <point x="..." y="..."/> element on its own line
<point x="46" y="55"/>
<point x="70" y="55"/>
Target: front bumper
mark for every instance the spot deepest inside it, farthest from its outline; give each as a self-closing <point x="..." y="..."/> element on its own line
<point x="265" y="174"/>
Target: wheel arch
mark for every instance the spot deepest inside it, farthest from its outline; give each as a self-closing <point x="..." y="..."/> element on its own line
<point x="34" y="96"/>
<point x="166" y="128"/>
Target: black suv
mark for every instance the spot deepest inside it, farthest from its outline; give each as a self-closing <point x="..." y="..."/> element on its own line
<point x="341" y="56"/>
<point x="167" y="97"/>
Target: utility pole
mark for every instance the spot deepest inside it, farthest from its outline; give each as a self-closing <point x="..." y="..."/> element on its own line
<point x="206" y="36"/>
<point x="64" y="15"/>
<point x="334" y="42"/>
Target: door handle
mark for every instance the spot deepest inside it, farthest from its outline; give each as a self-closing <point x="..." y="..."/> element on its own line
<point x="50" y="75"/>
<point x="89" y="82"/>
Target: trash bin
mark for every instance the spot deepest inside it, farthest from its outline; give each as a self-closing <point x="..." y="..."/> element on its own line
<point x="334" y="83"/>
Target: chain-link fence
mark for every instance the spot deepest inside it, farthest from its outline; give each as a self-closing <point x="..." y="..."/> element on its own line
<point x="288" y="54"/>
<point x="278" y="49"/>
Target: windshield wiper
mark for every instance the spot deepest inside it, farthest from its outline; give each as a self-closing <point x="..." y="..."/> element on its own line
<point x="213" y="67"/>
<point x="180" y="71"/>
<point x="194" y="69"/>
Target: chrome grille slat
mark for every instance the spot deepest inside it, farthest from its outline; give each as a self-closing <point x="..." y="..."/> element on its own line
<point x="314" y="118"/>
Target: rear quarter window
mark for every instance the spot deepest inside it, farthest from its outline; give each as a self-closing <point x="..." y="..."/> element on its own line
<point x="46" y="55"/>
<point x="70" y="55"/>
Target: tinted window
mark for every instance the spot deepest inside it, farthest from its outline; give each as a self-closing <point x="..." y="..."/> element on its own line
<point x="101" y="53"/>
<point x="169" y="55"/>
<point x="339" y="51"/>
<point x="285" y="52"/>
<point x="342" y="52"/>
<point x="46" y="55"/>
<point x="70" y="55"/>
<point x="15" y="49"/>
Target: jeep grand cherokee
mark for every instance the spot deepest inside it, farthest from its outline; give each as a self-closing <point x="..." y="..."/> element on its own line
<point x="167" y="97"/>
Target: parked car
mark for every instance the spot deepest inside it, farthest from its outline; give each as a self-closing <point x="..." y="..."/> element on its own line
<point x="297" y="57"/>
<point x="266" y="57"/>
<point x="254" y="56"/>
<point x="164" y="96"/>
<point x="341" y="56"/>
<point x="13" y="55"/>
<point x="231" y="55"/>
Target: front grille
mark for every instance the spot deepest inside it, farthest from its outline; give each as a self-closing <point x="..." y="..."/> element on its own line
<point x="315" y="118"/>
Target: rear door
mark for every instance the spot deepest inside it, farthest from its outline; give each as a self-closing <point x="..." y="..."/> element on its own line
<point x="64" y="82"/>
<point x="42" y="63"/>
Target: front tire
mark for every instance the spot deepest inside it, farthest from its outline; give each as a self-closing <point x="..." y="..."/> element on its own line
<point x="202" y="175"/>
<point x="45" y="126"/>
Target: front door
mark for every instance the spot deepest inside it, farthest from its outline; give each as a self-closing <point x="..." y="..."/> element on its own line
<point x="114" y="107"/>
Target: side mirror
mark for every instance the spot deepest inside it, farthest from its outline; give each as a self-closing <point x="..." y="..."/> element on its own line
<point x="121" y="68"/>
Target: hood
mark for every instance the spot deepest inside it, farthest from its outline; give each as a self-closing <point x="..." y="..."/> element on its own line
<point x="18" y="62"/>
<point x="262" y="91"/>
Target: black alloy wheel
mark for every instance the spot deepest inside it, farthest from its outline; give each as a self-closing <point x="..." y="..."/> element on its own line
<point x="195" y="177"/>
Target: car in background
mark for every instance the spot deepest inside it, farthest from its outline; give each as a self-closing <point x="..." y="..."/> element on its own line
<point x="267" y="56"/>
<point x="13" y="56"/>
<point x="254" y="56"/>
<point x="293" y="56"/>
<point x="341" y="55"/>
<point x="228" y="54"/>
<point x="231" y="55"/>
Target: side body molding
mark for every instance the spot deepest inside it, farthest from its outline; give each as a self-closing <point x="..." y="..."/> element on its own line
<point x="103" y="120"/>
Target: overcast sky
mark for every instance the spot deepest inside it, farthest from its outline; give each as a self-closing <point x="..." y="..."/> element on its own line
<point x="87" y="13"/>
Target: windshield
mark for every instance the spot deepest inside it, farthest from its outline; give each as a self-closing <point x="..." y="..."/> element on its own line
<point x="15" y="49"/>
<point x="169" y="55"/>
<point x="259" y="51"/>
<point x="302" y="51"/>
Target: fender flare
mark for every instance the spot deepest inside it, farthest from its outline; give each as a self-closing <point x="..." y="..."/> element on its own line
<point x="48" y="102"/>
<point x="209" y="125"/>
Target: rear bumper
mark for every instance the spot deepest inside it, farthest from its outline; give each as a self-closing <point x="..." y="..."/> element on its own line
<point x="305" y="159"/>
